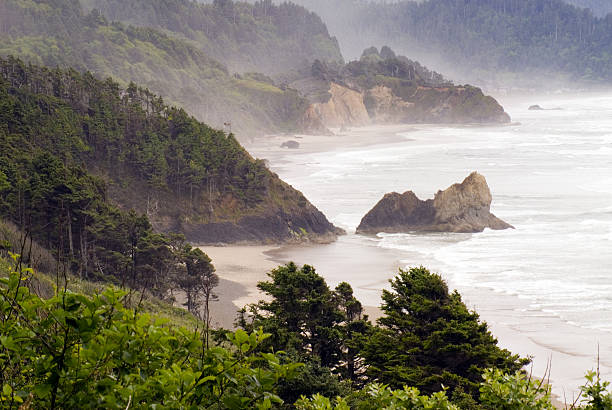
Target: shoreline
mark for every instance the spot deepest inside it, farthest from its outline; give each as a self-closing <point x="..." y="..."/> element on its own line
<point x="240" y="268"/>
<point x="350" y="138"/>
<point x="517" y="327"/>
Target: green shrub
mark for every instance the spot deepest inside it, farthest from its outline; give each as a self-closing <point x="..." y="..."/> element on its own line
<point x="73" y="351"/>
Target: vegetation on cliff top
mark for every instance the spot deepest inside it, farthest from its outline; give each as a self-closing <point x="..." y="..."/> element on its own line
<point x="529" y="40"/>
<point x="261" y="36"/>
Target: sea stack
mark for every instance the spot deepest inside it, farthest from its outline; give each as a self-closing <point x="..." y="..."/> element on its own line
<point x="463" y="207"/>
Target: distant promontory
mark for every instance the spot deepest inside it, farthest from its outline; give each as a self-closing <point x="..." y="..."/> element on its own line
<point x="382" y="88"/>
<point x="463" y="207"/>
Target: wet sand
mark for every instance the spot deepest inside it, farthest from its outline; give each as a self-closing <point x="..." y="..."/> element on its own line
<point x="239" y="268"/>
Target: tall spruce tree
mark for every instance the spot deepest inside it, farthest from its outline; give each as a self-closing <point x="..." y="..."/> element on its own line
<point x="429" y="339"/>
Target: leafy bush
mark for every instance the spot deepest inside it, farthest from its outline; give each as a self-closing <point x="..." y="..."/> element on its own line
<point x="381" y="397"/>
<point x="72" y="351"/>
<point x="596" y="396"/>
<point x="505" y="391"/>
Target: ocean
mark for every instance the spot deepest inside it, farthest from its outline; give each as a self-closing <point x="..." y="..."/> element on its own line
<point x="550" y="174"/>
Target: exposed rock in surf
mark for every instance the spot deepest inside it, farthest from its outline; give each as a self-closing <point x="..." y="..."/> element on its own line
<point x="290" y="144"/>
<point x="535" y="108"/>
<point x="461" y="207"/>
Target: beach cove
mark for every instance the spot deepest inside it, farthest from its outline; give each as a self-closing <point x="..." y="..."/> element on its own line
<point x="545" y="288"/>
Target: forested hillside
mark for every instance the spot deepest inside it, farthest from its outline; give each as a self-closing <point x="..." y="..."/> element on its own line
<point x="59" y="33"/>
<point x="73" y="147"/>
<point x="526" y="40"/>
<point x="245" y="37"/>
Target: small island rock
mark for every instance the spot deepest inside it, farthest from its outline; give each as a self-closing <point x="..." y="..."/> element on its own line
<point x="290" y="144"/>
<point x="535" y="108"/>
<point x="462" y="207"/>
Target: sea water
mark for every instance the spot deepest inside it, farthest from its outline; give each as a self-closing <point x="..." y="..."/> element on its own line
<point x="550" y="175"/>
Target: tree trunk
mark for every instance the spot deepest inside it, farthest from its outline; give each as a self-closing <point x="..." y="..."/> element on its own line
<point x="71" y="245"/>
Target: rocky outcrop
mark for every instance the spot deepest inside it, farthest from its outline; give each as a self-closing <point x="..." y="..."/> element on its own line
<point x="385" y="107"/>
<point x="384" y="88"/>
<point x="463" y="207"/>
<point x="381" y="105"/>
<point x="291" y="144"/>
<point x="344" y="108"/>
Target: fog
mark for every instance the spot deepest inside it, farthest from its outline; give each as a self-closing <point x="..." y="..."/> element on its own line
<point x="500" y="61"/>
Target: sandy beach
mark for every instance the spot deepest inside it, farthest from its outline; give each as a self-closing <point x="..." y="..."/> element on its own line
<point x="269" y="147"/>
<point x="239" y="268"/>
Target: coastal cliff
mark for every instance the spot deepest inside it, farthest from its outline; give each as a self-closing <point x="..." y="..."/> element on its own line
<point x="283" y="215"/>
<point x="463" y="207"/>
<point x="344" y="107"/>
<point x="382" y="88"/>
<point x="143" y="157"/>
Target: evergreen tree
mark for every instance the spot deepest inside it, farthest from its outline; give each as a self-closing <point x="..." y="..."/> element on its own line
<point x="322" y="327"/>
<point x="428" y="338"/>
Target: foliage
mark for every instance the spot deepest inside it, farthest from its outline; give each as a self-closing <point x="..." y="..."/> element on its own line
<point x="379" y="396"/>
<point x="598" y="7"/>
<point x="72" y="351"/>
<point x="526" y="39"/>
<point x="322" y="327"/>
<point x="305" y="316"/>
<point x="60" y="33"/>
<point x="233" y="32"/>
<point x="513" y="391"/>
<point x="427" y="338"/>
<point x="596" y="394"/>
<point x="58" y="127"/>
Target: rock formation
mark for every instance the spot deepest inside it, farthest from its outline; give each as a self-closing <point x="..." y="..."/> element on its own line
<point x="380" y="105"/>
<point x="290" y="144"/>
<point x="381" y="88"/>
<point x="344" y="108"/>
<point x="461" y="207"/>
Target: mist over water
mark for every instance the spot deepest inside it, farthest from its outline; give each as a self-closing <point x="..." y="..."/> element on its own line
<point x="550" y="177"/>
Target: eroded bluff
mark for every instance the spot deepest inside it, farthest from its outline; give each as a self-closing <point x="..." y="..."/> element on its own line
<point x="463" y="207"/>
<point x="382" y="88"/>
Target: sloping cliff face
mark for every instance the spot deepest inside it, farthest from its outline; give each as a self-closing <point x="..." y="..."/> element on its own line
<point x="345" y="107"/>
<point x="463" y="207"/>
<point x="142" y="155"/>
<point x="284" y="215"/>
<point x="381" y="105"/>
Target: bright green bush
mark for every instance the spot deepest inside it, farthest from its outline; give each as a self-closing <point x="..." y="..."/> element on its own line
<point x="595" y="392"/>
<point x="513" y="391"/>
<point x="379" y="396"/>
<point x="72" y="351"/>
